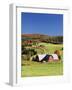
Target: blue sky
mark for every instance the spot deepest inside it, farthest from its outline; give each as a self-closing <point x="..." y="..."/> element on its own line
<point x="36" y="23"/>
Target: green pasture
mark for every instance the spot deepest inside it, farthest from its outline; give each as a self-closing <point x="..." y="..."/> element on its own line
<point x="30" y="68"/>
<point x="47" y="48"/>
<point x="50" y="48"/>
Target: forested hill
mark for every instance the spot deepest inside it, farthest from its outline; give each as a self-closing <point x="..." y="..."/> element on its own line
<point x="43" y="38"/>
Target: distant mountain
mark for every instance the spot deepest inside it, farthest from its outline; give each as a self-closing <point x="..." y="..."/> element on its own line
<point x="38" y="36"/>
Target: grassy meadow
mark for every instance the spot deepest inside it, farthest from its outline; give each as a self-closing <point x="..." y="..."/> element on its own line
<point x="30" y="68"/>
<point x="42" y="69"/>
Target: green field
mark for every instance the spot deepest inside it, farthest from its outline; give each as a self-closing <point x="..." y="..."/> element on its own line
<point x="42" y="69"/>
<point x="30" y="68"/>
<point x="50" y="48"/>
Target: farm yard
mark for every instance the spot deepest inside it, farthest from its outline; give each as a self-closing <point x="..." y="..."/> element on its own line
<point x="30" y="68"/>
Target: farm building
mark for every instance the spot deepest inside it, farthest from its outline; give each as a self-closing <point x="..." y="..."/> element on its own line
<point x="45" y="57"/>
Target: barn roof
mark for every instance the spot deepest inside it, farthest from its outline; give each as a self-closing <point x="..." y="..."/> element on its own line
<point x="41" y="56"/>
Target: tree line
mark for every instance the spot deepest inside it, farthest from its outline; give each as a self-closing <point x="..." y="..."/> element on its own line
<point x="44" y="38"/>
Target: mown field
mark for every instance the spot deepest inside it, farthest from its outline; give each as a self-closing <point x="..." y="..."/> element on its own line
<point x="31" y="68"/>
<point x="50" y="48"/>
<point x="42" y="69"/>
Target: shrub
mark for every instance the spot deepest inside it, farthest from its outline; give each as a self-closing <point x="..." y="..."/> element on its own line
<point x="25" y="57"/>
<point x="27" y="53"/>
<point x="58" y="53"/>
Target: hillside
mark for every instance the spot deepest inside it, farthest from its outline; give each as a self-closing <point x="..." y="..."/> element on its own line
<point x="43" y="38"/>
